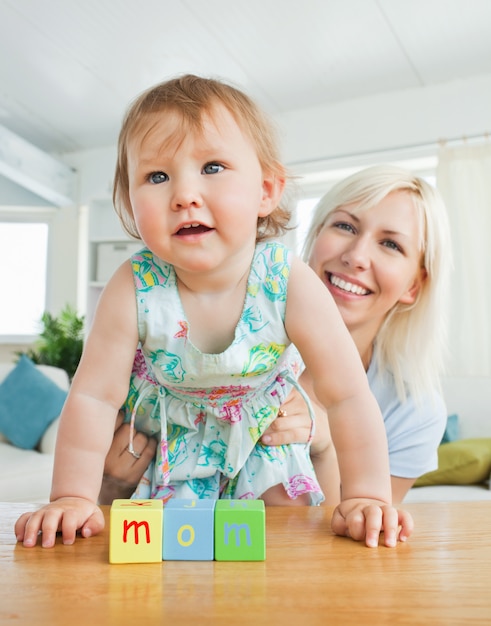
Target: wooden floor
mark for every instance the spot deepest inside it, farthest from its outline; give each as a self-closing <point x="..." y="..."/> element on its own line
<point x="442" y="576"/>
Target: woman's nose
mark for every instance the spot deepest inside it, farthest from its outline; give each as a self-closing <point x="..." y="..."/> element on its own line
<point x="357" y="255"/>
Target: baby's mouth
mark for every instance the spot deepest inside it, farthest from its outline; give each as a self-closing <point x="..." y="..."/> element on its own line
<point x="193" y="229"/>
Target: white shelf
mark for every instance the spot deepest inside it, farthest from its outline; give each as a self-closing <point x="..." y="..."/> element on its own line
<point x="108" y="247"/>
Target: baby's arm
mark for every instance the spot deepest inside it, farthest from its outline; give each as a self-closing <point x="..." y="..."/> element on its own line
<point x="86" y="429"/>
<point x="355" y="421"/>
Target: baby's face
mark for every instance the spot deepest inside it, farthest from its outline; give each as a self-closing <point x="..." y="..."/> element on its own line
<point x="196" y="196"/>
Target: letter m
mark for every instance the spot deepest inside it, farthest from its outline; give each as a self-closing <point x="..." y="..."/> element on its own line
<point x="228" y="528"/>
<point x="127" y="526"/>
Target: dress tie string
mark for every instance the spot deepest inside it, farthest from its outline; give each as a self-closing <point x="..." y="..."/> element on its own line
<point x="164" y="447"/>
<point x="294" y="382"/>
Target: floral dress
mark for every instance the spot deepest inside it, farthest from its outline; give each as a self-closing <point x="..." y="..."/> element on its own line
<point x="210" y="410"/>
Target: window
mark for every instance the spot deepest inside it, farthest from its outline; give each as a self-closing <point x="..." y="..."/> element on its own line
<point x="304" y="213"/>
<point x="23" y="270"/>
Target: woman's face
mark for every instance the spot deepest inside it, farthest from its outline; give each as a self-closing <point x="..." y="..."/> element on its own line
<point x="370" y="261"/>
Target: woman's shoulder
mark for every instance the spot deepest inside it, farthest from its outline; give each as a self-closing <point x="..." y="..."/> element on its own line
<point x="414" y="426"/>
<point x="428" y="408"/>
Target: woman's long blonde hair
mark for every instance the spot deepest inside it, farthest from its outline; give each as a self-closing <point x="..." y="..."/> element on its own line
<point x="412" y="342"/>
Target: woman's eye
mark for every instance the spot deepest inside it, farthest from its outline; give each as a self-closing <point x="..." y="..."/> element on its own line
<point x="213" y="168"/>
<point x="158" y="177"/>
<point x="388" y="243"/>
<point x="344" y="226"/>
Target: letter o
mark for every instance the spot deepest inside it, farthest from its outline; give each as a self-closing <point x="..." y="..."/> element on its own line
<point x="180" y="533"/>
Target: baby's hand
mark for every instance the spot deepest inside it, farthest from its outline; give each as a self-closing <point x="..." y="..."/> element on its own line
<point x="363" y="519"/>
<point x="66" y="515"/>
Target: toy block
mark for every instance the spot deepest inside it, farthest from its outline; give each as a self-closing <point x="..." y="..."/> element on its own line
<point x="188" y="530"/>
<point x="135" y="531"/>
<point x="240" y="530"/>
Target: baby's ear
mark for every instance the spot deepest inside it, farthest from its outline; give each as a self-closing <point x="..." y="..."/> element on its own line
<point x="409" y="296"/>
<point x="273" y="187"/>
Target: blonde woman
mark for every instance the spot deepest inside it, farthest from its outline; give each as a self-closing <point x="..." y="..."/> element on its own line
<point x="380" y="242"/>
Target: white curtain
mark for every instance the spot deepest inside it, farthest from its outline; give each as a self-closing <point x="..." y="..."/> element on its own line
<point x="464" y="180"/>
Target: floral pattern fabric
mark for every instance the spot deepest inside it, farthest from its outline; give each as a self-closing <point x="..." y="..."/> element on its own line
<point x="210" y="410"/>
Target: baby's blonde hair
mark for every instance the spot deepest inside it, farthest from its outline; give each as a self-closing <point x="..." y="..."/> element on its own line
<point x="412" y="342"/>
<point x="191" y="97"/>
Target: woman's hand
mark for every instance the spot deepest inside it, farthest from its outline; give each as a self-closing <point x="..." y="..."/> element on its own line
<point x="363" y="519"/>
<point x="293" y="424"/>
<point x="122" y="470"/>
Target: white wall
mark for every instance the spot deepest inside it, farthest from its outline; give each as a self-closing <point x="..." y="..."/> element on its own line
<point x="95" y="171"/>
<point x="388" y="121"/>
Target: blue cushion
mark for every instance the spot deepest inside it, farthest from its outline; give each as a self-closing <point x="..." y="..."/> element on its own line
<point x="452" y="431"/>
<point x="29" y="402"/>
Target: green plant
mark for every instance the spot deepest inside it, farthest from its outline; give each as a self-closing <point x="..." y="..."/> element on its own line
<point x="61" y="341"/>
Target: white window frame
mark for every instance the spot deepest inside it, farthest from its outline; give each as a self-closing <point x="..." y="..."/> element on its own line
<point x="30" y="214"/>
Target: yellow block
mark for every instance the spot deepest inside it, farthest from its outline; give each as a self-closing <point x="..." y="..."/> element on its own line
<point x="135" y="531"/>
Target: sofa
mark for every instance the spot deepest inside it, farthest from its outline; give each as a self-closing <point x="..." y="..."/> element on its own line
<point x="25" y="474"/>
<point x="465" y="461"/>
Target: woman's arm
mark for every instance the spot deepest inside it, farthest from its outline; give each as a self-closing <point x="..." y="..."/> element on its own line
<point x="400" y="487"/>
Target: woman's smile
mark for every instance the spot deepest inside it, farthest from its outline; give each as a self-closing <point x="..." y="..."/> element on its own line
<point x="336" y="283"/>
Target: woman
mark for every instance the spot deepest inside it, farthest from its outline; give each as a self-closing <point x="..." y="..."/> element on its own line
<point x="380" y="242"/>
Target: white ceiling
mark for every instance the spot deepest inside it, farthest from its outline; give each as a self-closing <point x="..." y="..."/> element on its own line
<point x="68" y="68"/>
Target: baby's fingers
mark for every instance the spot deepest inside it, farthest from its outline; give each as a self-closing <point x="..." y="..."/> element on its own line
<point x="94" y="525"/>
<point x="406" y="524"/>
<point x="367" y="521"/>
<point x="30" y="525"/>
<point x="67" y="516"/>
<point x="390" y="526"/>
<point x="20" y="527"/>
<point x="358" y="525"/>
<point x="397" y="525"/>
<point x="373" y="525"/>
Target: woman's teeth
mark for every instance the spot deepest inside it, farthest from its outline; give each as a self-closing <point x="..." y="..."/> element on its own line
<point x="349" y="287"/>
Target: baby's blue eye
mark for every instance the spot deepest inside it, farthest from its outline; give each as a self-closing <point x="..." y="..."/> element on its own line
<point x="213" y="168"/>
<point x="158" y="177"/>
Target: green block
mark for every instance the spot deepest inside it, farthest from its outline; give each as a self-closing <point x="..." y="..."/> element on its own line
<point x="240" y="530"/>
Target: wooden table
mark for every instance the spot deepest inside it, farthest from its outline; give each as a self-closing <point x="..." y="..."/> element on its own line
<point x="441" y="576"/>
